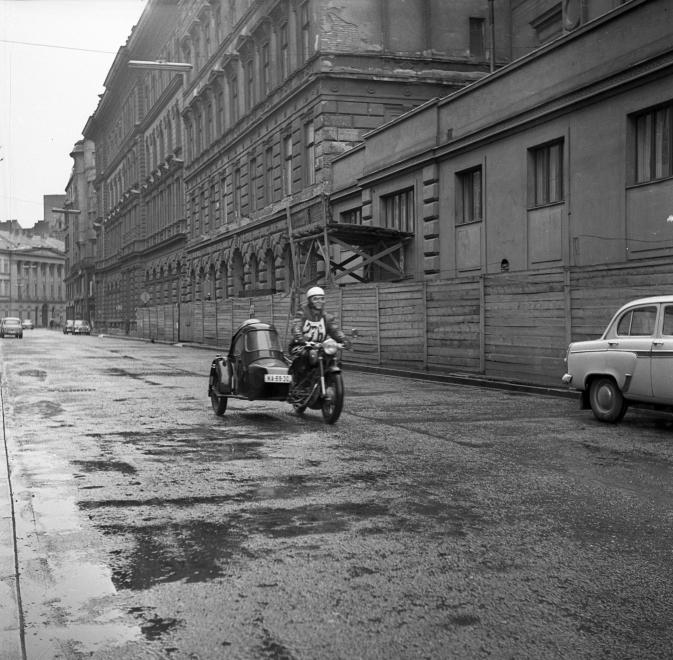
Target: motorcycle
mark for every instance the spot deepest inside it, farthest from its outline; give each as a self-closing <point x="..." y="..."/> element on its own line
<point x="255" y="368"/>
<point x="321" y="385"/>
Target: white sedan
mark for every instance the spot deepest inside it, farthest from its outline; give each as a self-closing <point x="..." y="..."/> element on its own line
<point x="631" y="364"/>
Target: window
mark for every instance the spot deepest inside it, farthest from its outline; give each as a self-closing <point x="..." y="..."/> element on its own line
<point x="546" y="174"/>
<point x="287" y="165"/>
<point x="237" y="191"/>
<point x="397" y="211"/>
<point x="249" y="84"/>
<point x="477" y="49"/>
<point x="233" y="87"/>
<point x="223" y="201"/>
<point x="220" y="111"/>
<point x="268" y="175"/>
<point x="284" y="59"/>
<point x="266" y="69"/>
<point x="199" y="134"/>
<point x="214" y="206"/>
<point x="209" y="124"/>
<point x="654" y="144"/>
<point x="637" y="322"/>
<point x="351" y="217"/>
<point x="252" y="184"/>
<point x="668" y="321"/>
<point x="309" y="153"/>
<point x="305" y="30"/>
<point x="469" y="196"/>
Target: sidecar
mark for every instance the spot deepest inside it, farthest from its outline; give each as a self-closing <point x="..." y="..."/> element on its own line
<point x="255" y="367"/>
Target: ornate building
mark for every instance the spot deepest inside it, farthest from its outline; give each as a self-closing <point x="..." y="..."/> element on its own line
<point x="277" y="89"/>
<point x="31" y="278"/>
<point x="79" y="213"/>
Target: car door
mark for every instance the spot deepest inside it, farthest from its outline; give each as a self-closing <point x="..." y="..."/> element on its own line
<point x="634" y="332"/>
<point x="662" y="358"/>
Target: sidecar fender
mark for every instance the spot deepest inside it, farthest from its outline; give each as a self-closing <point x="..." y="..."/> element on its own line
<point x="219" y="370"/>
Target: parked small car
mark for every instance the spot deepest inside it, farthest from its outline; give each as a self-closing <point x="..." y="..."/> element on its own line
<point x="81" y="327"/>
<point x="27" y="324"/>
<point x="69" y="327"/>
<point x="11" y="327"/>
<point x="630" y="365"/>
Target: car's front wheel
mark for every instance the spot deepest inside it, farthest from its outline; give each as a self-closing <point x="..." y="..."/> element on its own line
<point x="606" y="400"/>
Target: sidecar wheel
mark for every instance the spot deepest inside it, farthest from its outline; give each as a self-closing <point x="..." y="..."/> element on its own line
<point x="334" y="399"/>
<point x="219" y="403"/>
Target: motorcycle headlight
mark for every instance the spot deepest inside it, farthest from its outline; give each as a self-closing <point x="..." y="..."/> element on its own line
<point x="330" y="346"/>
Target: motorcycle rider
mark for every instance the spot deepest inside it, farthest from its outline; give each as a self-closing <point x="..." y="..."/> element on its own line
<point x="311" y="324"/>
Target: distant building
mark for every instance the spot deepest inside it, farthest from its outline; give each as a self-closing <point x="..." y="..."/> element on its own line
<point x="79" y="211"/>
<point x="54" y="221"/>
<point x="31" y="278"/>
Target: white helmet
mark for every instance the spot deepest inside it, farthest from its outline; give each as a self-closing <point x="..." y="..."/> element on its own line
<point x="314" y="291"/>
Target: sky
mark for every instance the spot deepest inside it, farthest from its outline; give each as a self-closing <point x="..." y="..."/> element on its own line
<point x="54" y="58"/>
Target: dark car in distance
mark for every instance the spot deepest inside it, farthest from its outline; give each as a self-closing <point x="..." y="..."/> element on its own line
<point x="11" y="326"/>
<point x="81" y="327"/>
<point x="69" y="327"/>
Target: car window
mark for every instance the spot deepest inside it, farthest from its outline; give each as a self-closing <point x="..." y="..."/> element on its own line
<point x="637" y="322"/>
<point x="667" y="328"/>
<point x="262" y="340"/>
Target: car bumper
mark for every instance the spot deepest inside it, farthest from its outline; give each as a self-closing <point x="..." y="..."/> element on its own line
<point x="567" y="379"/>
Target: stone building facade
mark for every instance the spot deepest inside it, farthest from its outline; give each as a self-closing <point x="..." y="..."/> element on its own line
<point x="215" y="183"/>
<point x="137" y="130"/>
<point x="31" y="278"/>
<point x="79" y="215"/>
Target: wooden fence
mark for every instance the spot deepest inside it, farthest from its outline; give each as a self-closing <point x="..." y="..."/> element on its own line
<point x="506" y="325"/>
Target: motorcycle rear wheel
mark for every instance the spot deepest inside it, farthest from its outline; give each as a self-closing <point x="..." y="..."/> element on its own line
<point x="219" y="403"/>
<point x="333" y="401"/>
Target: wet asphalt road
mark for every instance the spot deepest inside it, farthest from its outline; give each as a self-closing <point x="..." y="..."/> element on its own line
<point x="433" y="521"/>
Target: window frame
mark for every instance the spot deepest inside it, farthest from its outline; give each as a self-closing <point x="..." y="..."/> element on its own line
<point x="653" y="151"/>
<point x="401" y="204"/>
<point x="309" y="153"/>
<point x="470" y="195"/>
<point x="546" y="176"/>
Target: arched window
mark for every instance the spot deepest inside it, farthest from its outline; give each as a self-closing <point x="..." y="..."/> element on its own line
<point x="270" y="263"/>
<point x="254" y="273"/>
<point x="237" y="274"/>
<point x="212" y="283"/>
<point x="223" y="281"/>
<point x="288" y="269"/>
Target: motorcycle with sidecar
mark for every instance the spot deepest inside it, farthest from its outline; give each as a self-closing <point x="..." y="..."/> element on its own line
<point x="255" y="368"/>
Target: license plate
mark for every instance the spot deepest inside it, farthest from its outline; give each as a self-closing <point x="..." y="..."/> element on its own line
<point x="277" y="378"/>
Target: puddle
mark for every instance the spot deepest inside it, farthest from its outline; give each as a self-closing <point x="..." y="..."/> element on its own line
<point x="193" y="551"/>
<point x="34" y="373"/>
<point x="156" y="627"/>
<point x="314" y="519"/>
<point x="44" y="407"/>
<point x="105" y="466"/>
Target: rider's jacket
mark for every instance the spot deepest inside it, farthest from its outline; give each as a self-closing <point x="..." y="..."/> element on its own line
<point x="313" y="325"/>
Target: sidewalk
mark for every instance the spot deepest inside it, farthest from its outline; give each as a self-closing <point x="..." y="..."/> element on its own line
<point x="10" y="614"/>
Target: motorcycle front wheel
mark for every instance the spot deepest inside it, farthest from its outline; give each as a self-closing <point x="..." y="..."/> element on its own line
<point x="333" y="401"/>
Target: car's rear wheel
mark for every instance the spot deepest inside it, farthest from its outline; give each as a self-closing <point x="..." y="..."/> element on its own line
<point x="606" y="400"/>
